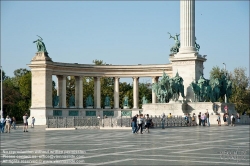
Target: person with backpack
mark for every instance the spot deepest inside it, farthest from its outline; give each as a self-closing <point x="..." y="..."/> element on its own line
<point x="232" y="120"/>
<point x="186" y="119"/>
<point x="140" y="122"/>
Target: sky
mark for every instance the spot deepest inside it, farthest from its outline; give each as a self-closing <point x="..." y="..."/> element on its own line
<point x="121" y="32"/>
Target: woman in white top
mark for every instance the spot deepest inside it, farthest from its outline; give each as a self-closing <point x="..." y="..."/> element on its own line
<point x="7" y="125"/>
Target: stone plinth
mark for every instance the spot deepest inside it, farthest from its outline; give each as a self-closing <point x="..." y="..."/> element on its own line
<point x="41" y="56"/>
<point x="159" y="108"/>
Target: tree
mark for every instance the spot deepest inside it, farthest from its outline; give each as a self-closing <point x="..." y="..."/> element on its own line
<point x="240" y="89"/>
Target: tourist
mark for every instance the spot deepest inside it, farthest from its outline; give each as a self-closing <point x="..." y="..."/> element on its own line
<point x="32" y="122"/>
<point x="163" y="120"/>
<point x="193" y="120"/>
<point x="134" y="124"/>
<point x="25" y="122"/>
<point x="187" y="119"/>
<point x="232" y="120"/>
<point x="199" y="117"/>
<point x="147" y="123"/>
<point x="203" y="119"/>
<point x="2" y="121"/>
<point x="225" y="119"/>
<point x="238" y="117"/>
<point x="219" y="120"/>
<point x="207" y="117"/>
<point x="13" y="123"/>
<point x="7" y="124"/>
<point x="140" y="122"/>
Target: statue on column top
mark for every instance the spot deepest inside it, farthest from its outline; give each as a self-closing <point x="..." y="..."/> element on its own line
<point x="40" y="45"/>
<point x="175" y="48"/>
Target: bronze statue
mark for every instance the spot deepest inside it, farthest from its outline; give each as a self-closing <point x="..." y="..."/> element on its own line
<point x="40" y="45"/>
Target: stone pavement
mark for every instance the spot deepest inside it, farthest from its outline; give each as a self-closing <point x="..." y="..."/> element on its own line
<point x="224" y="145"/>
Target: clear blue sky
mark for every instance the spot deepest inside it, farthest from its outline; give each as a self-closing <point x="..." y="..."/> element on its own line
<point x="121" y="32"/>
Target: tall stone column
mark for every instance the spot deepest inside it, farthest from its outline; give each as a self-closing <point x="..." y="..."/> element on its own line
<point x="135" y="92"/>
<point x="97" y="92"/>
<point x="154" y="98"/>
<point x="61" y="92"/>
<point x="187" y="27"/>
<point x="78" y="92"/>
<point x="116" y="92"/>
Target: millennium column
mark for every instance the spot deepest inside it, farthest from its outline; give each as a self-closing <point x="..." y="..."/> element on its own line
<point x="187" y="62"/>
<point x="116" y="92"/>
<point x="78" y="92"/>
<point x="135" y="92"/>
<point x="97" y="92"/>
<point x="154" y="98"/>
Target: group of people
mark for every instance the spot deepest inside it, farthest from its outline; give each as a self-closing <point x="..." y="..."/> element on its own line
<point x="204" y="119"/>
<point x="138" y="121"/>
<point x="226" y="119"/>
<point x="8" y="123"/>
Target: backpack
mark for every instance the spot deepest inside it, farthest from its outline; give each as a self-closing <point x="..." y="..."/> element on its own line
<point x="193" y="118"/>
<point x="233" y="119"/>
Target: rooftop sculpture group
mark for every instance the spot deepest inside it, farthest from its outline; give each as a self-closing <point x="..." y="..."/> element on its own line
<point x="211" y="90"/>
<point x="169" y="88"/>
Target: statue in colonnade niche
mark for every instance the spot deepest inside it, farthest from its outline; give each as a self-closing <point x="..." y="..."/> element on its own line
<point x="40" y="45"/>
<point x="144" y="100"/>
<point x="89" y="101"/>
<point x="107" y="101"/>
<point x="125" y="103"/>
<point x="72" y="101"/>
<point x="55" y="101"/>
<point x="175" y="48"/>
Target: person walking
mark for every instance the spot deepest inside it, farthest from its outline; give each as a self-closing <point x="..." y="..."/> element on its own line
<point x="238" y="117"/>
<point x="232" y="120"/>
<point x="2" y="121"/>
<point x="219" y="120"/>
<point x="7" y="124"/>
<point x="203" y="120"/>
<point x="25" y="122"/>
<point x="163" y="118"/>
<point x="14" y="123"/>
<point x="199" y="118"/>
<point x="33" y="122"/>
<point x="147" y="123"/>
<point x="140" y="122"/>
<point x="208" y="122"/>
<point x="134" y="124"/>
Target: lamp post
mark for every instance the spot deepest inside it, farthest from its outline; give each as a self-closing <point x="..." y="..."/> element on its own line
<point x="225" y="74"/>
<point x="1" y="91"/>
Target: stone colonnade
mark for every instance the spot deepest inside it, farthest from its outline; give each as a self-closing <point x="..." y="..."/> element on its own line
<point x="61" y="91"/>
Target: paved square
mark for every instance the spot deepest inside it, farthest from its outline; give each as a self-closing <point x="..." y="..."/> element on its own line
<point x="213" y="145"/>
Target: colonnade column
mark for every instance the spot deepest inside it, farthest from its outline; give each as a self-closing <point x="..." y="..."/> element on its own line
<point x="135" y="92"/>
<point x="78" y="92"/>
<point x="61" y="90"/>
<point x="116" y="93"/>
<point x="97" y="92"/>
<point x="154" y="98"/>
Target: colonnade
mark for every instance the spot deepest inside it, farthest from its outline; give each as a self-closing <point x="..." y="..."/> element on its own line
<point x="61" y="91"/>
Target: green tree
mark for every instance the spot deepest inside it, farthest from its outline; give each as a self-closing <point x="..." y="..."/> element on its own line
<point x="240" y="89"/>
